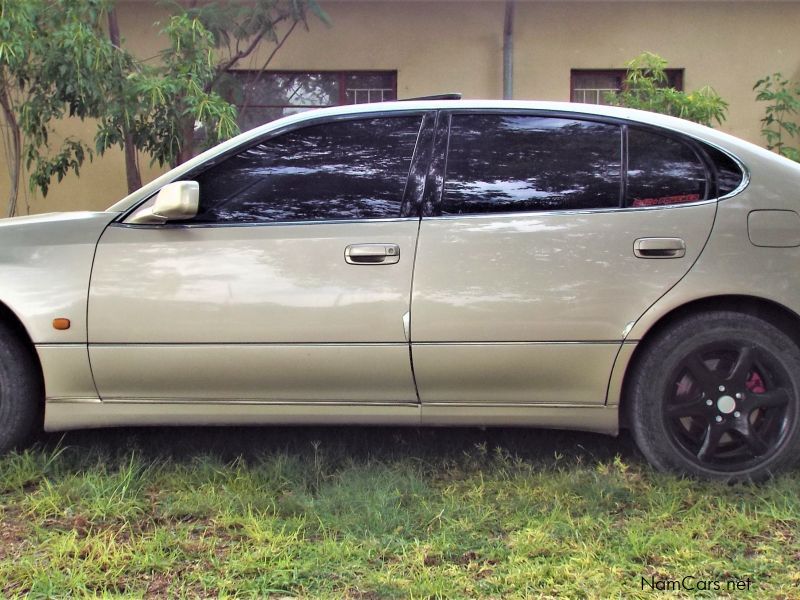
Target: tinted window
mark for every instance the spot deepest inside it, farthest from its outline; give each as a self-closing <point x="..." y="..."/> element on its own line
<point x="729" y="175"/>
<point x="512" y="163"/>
<point x="662" y="170"/>
<point x="345" y="170"/>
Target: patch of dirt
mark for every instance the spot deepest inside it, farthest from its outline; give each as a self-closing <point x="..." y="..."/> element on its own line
<point x="158" y="586"/>
<point x="466" y="558"/>
<point x="363" y="595"/>
<point x="14" y="533"/>
<point x="431" y="560"/>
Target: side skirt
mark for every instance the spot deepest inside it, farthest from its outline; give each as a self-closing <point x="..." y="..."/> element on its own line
<point x="66" y="414"/>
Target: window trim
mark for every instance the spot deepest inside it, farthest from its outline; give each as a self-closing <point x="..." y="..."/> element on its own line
<point x="120" y="219"/>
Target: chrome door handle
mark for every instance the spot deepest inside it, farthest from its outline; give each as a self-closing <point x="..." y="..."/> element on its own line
<point x="372" y="254"/>
<point x="659" y="248"/>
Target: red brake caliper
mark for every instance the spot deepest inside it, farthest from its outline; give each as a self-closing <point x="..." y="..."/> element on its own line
<point x="755" y="384"/>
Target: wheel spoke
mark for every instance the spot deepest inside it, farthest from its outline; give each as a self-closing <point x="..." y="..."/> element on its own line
<point x="743" y="366"/>
<point x="696" y="407"/>
<point x="710" y="442"/>
<point x="753" y="440"/>
<point x="701" y="375"/>
<point x="771" y="399"/>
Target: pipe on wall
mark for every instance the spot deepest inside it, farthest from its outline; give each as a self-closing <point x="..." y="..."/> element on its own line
<point x="508" y="51"/>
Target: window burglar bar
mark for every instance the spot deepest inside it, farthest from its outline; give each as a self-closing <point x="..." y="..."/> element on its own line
<point x="366" y="95"/>
<point x="591" y="95"/>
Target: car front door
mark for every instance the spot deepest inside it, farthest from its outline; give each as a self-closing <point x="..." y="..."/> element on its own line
<point x="545" y="239"/>
<point x="291" y="284"/>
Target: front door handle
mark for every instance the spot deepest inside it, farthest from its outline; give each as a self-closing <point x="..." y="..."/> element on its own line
<point x="372" y="254"/>
<point x="659" y="248"/>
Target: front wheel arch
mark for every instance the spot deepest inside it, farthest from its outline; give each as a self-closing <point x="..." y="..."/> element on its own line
<point x="11" y="321"/>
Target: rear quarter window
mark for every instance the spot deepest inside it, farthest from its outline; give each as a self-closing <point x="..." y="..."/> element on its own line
<point x="663" y="170"/>
<point x="728" y="172"/>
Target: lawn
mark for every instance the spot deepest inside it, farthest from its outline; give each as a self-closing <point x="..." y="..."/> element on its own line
<point x="381" y="513"/>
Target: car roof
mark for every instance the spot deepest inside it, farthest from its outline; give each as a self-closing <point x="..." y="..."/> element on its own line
<point x="579" y="109"/>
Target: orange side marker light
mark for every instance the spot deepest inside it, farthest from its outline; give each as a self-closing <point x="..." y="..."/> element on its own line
<point x="61" y="324"/>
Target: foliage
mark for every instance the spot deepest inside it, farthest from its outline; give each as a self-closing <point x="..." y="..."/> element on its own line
<point x="53" y="61"/>
<point x="158" y="104"/>
<point x="646" y="87"/>
<point x="164" y="110"/>
<point x="783" y="97"/>
<point x="240" y="30"/>
<point x="57" y="62"/>
<point x="379" y="513"/>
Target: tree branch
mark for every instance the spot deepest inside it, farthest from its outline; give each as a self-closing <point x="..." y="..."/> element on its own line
<point x="252" y="45"/>
<point x="269" y="60"/>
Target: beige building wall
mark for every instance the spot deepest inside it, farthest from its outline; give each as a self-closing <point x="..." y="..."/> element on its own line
<point x="451" y="45"/>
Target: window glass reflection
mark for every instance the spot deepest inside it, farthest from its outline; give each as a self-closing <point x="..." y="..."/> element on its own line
<point x="729" y="175"/>
<point x="346" y="170"/>
<point x="517" y="163"/>
<point x="662" y="171"/>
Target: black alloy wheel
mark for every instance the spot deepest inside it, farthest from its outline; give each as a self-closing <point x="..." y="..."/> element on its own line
<point x="730" y="406"/>
<point x="717" y="396"/>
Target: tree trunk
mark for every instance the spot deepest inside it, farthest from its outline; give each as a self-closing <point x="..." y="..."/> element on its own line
<point x="131" y="167"/>
<point x="186" y="151"/>
<point x="15" y="148"/>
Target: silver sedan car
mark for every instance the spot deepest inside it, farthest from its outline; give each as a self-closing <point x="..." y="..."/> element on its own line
<point x="468" y="263"/>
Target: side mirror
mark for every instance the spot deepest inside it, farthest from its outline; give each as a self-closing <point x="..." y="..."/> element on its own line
<point x="175" y="202"/>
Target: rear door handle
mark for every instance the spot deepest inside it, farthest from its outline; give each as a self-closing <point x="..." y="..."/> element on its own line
<point x="659" y="248"/>
<point x="372" y="254"/>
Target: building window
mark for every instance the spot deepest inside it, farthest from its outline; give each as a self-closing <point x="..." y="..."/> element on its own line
<point x="591" y="85"/>
<point x="269" y="95"/>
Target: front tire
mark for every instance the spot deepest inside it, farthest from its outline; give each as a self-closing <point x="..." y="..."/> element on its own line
<point x="20" y="390"/>
<point x="718" y="396"/>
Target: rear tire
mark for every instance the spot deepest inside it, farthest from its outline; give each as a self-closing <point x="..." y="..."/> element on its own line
<point x="718" y="396"/>
<point x="20" y="390"/>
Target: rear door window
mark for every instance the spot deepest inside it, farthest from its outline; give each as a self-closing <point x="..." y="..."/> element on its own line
<point x="499" y="163"/>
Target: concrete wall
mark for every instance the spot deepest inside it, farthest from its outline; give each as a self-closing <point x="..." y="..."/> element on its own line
<point x="444" y="45"/>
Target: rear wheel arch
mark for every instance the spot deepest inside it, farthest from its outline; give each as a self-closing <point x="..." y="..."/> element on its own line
<point x="715" y="393"/>
<point x="768" y="310"/>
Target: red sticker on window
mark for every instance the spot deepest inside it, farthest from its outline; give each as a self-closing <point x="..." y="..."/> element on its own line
<point x="666" y="200"/>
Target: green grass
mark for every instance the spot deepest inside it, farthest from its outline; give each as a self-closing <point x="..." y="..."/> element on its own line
<point x="369" y="513"/>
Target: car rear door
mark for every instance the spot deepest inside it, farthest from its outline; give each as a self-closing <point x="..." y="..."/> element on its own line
<point x="546" y="236"/>
<point x="291" y="284"/>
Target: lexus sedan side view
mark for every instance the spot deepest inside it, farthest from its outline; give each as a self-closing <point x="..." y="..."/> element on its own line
<point x="471" y="263"/>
